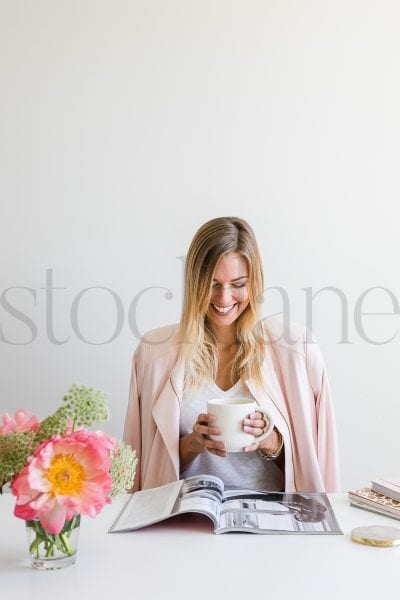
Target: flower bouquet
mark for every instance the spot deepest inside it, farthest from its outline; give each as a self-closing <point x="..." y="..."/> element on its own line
<point x="60" y="470"/>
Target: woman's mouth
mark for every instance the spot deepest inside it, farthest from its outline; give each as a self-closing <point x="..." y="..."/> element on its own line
<point x="223" y="310"/>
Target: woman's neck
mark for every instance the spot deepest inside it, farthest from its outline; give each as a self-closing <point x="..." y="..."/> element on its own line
<point x="225" y="337"/>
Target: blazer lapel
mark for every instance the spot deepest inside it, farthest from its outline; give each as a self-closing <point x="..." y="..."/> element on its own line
<point x="166" y="411"/>
<point x="270" y="385"/>
<point x="177" y="377"/>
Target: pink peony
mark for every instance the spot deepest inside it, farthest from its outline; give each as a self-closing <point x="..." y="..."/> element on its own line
<point x="66" y="475"/>
<point x="19" y="422"/>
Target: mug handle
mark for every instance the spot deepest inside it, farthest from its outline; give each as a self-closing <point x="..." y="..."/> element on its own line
<point x="270" y="424"/>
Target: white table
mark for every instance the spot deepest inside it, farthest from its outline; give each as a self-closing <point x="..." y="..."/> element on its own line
<point x="184" y="559"/>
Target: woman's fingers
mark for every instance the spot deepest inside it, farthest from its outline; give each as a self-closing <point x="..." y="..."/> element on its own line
<point x="204" y="425"/>
<point x="206" y="430"/>
<point x="207" y="442"/>
<point x="217" y="452"/>
<point x="251" y="448"/>
<point x="255" y="424"/>
<point x="202" y="429"/>
<point x="205" y="418"/>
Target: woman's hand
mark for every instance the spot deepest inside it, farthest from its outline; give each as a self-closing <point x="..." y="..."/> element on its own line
<point x="198" y="441"/>
<point x="201" y="441"/>
<point x="256" y="424"/>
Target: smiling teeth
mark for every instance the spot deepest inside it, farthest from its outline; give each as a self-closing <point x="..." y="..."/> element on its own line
<point x="223" y="309"/>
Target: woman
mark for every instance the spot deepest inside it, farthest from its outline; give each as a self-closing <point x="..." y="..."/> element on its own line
<point x="222" y="347"/>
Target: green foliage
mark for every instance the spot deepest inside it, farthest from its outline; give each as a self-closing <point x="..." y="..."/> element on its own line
<point x="14" y="450"/>
<point x="123" y="466"/>
<point x="82" y="406"/>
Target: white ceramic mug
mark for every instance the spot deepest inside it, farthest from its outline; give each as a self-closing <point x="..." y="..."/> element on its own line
<point x="230" y="413"/>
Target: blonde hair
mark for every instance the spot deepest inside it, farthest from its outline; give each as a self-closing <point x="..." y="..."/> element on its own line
<point x="213" y="240"/>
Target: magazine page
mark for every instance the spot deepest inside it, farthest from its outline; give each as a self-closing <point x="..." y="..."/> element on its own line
<point x="277" y="512"/>
<point x="202" y="494"/>
<point x="199" y="494"/>
<point x="148" y="506"/>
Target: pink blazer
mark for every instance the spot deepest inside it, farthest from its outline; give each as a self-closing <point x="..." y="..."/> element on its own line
<point x="294" y="380"/>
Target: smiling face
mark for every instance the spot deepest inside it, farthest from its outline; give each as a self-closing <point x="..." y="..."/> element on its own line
<point x="229" y="296"/>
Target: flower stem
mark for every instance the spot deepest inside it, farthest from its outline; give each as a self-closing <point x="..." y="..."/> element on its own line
<point x="49" y="542"/>
<point x="68" y="548"/>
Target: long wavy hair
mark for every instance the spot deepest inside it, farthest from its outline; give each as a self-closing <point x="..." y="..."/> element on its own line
<point x="213" y="240"/>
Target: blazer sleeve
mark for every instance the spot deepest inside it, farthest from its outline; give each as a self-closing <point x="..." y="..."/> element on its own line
<point x="132" y="428"/>
<point x="327" y="445"/>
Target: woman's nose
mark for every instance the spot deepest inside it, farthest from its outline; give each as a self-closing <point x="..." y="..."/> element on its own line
<point x="223" y="294"/>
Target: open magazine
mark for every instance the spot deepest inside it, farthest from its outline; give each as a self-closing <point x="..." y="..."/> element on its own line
<point x="230" y="510"/>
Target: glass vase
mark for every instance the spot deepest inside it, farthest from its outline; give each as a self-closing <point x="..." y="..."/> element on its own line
<point x="50" y="551"/>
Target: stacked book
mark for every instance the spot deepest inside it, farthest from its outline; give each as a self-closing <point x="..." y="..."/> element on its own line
<point x="382" y="497"/>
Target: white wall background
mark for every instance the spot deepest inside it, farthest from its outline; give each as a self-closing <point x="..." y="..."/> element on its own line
<point x="126" y="124"/>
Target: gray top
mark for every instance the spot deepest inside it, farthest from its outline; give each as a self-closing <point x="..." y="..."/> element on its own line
<point x="237" y="469"/>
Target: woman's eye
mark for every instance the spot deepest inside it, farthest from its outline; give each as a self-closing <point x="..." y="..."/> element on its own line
<point x="218" y="286"/>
